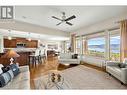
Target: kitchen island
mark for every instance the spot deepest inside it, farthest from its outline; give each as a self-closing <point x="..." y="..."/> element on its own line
<point x="22" y="60"/>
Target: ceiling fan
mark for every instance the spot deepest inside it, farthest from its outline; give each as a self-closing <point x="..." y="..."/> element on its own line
<point x="64" y="19"/>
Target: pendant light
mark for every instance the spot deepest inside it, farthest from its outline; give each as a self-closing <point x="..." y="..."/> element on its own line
<point x="29" y="38"/>
<point x="9" y="37"/>
<point x="39" y="38"/>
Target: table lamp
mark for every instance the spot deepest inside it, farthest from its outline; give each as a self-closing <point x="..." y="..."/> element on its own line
<point x="10" y="54"/>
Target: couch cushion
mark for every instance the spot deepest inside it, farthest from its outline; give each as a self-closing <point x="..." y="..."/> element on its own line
<point x="11" y="74"/>
<point x="69" y="61"/>
<point x="66" y="55"/>
<point x="24" y="68"/>
<point x="21" y="81"/>
<point x="115" y="69"/>
<point x="75" y="56"/>
<point x="2" y="81"/>
<point x="15" y="69"/>
<point x="122" y="65"/>
<point x="4" y="78"/>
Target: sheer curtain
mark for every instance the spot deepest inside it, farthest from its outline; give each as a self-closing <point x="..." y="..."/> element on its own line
<point x="73" y="42"/>
<point x="123" y="27"/>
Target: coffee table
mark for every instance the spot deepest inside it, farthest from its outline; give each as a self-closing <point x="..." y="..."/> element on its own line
<point x="54" y="80"/>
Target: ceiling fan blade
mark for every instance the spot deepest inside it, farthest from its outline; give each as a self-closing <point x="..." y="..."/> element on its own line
<point x="69" y="23"/>
<point x="70" y="18"/>
<point x="56" y="18"/>
<point x="59" y="23"/>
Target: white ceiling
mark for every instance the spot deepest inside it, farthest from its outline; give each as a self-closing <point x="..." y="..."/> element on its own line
<point x="85" y="15"/>
<point x="36" y="36"/>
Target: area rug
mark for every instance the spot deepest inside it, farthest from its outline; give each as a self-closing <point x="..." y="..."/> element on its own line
<point x="82" y="77"/>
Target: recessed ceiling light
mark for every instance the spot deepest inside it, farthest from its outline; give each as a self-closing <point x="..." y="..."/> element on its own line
<point x="9" y="37"/>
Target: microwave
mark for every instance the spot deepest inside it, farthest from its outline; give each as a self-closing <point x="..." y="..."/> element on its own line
<point x="20" y="45"/>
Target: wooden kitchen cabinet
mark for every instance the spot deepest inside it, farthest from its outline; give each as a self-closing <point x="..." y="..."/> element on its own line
<point x="9" y="43"/>
<point x="32" y="44"/>
<point x="21" y="40"/>
<point x="13" y="43"/>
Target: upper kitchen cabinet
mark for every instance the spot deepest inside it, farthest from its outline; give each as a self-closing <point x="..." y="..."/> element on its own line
<point x="9" y="43"/>
<point x="20" y="43"/>
<point x="32" y="44"/>
<point x="21" y="40"/>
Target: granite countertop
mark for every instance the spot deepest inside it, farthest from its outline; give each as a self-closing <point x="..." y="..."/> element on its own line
<point x="22" y="49"/>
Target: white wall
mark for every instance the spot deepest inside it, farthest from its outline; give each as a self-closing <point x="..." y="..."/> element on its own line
<point x="106" y="24"/>
<point x="93" y="60"/>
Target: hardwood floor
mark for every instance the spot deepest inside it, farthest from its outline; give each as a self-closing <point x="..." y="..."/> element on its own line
<point x="43" y="68"/>
<point x="51" y="64"/>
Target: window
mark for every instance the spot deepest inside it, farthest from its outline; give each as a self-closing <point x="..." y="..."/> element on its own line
<point x="115" y="46"/>
<point x="105" y="45"/>
<point x="78" y="45"/>
<point x="67" y="46"/>
<point x="96" y="46"/>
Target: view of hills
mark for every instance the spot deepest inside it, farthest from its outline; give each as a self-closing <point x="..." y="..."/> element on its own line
<point x="114" y="47"/>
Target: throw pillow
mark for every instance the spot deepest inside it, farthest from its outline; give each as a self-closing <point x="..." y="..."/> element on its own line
<point x="5" y="69"/>
<point x="11" y="74"/>
<point x="4" y="79"/>
<point x="75" y="56"/>
<point x="15" y="69"/>
<point x="122" y="65"/>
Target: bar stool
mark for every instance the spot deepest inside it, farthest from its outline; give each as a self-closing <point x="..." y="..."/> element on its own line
<point x="42" y="56"/>
<point x="34" y="57"/>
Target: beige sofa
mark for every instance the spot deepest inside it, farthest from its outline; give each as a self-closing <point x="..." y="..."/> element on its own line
<point x="21" y="81"/>
<point x="66" y="58"/>
<point x="120" y="73"/>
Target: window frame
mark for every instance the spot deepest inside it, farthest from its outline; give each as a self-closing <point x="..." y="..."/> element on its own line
<point x="77" y="40"/>
<point x="114" y="34"/>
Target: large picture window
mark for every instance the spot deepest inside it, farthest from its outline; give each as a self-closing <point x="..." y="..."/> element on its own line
<point x="115" y="47"/>
<point x="105" y="45"/>
<point x="96" y="47"/>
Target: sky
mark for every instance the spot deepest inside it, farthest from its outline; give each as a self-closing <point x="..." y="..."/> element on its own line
<point x="100" y="41"/>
